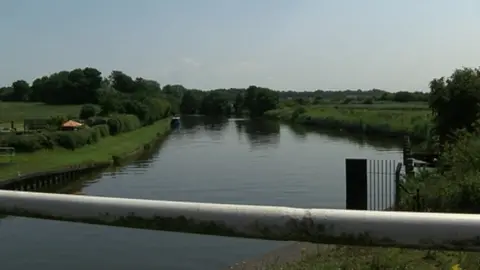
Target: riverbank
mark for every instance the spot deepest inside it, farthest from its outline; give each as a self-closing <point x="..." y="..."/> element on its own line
<point x="109" y="149"/>
<point x="368" y="121"/>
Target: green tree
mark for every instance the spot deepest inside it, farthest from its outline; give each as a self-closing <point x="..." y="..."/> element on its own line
<point x="21" y="91"/>
<point x="122" y="82"/>
<point x="258" y="100"/>
<point x="215" y="103"/>
<point x="239" y="104"/>
<point x="455" y="102"/>
<point x="191" y="102"/>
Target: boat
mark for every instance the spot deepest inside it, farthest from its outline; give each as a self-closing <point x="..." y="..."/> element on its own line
<point x="175" y="122"/>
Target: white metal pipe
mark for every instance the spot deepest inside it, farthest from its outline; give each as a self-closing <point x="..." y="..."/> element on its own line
<point x="325" y="226"/>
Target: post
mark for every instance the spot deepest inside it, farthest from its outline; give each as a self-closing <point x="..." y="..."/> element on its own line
<point x="356" y="184"/>
<point x="397" y="185"/>
<point x="407" y="155"/>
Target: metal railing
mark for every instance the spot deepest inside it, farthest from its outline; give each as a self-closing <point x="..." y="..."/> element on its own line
<point x="325" y="226"/>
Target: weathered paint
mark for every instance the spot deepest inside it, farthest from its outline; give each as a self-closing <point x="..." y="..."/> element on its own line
<point x="326" y="226"/>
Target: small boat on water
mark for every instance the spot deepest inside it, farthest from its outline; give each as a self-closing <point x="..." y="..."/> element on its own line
<point x="175" y="122"/>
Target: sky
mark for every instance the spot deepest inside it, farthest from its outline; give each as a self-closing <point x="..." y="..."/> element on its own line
<point x="206" y="44"/>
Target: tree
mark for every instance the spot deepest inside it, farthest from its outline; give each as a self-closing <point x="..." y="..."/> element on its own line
<point x="455" y="102"/>
<point x="239" y="104"/>
<point x="215" y="103"/>
<point x="258" y="100"/>
<point x="122" y="82"/>
<point x="191" y="102"/>
<point x="21" y="91"/>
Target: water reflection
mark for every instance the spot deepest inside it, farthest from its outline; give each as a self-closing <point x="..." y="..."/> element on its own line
<point x="299" y="132"/>
<point x="145" y="160"/>
<point x="260" y="133"/>
<point x="379" y="143"/>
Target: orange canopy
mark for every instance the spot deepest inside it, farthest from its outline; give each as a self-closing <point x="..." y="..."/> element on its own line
<point x="71" y="123"/>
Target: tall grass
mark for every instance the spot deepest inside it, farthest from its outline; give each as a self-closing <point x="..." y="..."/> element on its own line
<point x="415" y="123"/>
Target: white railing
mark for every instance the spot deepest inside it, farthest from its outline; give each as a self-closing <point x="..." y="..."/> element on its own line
<point x="325" y="226"/>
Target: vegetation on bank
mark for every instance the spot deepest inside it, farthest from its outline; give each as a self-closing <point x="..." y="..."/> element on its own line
<point x="102" y="151"/>
<point x="111" y="109"/>
<point x="454" y="186"/>
<point x="445" y="117"/>
<point x="386" y="122"/>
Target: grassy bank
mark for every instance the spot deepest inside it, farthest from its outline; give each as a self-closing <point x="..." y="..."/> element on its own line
<point x="102" y="151"/>
<point x="375" y="120"/>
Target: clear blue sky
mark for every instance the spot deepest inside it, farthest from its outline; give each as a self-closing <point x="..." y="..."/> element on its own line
<point x="294" y="44"/>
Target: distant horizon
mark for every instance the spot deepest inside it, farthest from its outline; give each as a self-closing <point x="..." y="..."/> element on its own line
<point x="284" y="45"/>
<point x="239" y="87"/>
<point x="105" y="75"/>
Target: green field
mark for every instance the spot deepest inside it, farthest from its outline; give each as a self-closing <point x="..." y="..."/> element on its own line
<point x="124" y="143"/>
<point x="17" y="111"/>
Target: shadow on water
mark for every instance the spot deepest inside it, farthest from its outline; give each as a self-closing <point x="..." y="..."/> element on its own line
<point x="260" y="133"/>
<point x="379" y="143"/>
<point x="194" y="122"/>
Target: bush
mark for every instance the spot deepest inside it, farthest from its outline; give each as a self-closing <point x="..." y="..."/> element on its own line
<point x="455" y="185"/>
<point x="94" y="121"/>
<point x="297" y="112"/>
<point x="123" y="123"/>
<point x="102" y="130"/>
<point x="28" y="142"/>
<point x="102" y="127"/>
<point x="87" y="111"/>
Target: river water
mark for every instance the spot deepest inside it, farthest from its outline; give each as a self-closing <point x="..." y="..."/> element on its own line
<point x="206" y="160"/>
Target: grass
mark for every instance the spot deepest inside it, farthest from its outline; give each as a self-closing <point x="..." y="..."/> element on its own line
<point x="362" y="258"/>
<point x="376" y="120"/>
<point x="382" y="106"/>
<point x="18" y="111"/>
<point x="100" y="152"/>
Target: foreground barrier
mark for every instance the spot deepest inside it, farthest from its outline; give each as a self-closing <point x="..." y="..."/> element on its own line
<point x="325" y="226"/>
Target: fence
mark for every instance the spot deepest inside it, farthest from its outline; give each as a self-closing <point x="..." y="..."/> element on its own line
<point x="372" y="184"/>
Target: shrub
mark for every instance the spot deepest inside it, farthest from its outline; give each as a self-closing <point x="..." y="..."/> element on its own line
<point x="94" y="121"/>
<point x="102" y="130"/>
<point x="455" y="185"/>
<point x="123" y="123"/>
<point x="102" y="127"/>
<point x="87" y="111"/>
<point x="297" y="112"/>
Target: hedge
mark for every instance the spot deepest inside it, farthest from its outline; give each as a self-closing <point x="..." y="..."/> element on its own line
<point x="32" y="142"/>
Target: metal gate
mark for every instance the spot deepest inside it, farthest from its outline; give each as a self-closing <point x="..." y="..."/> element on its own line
<point x="373" y="184"/>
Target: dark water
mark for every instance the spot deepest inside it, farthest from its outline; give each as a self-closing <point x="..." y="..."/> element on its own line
<point x="223" y="161"/>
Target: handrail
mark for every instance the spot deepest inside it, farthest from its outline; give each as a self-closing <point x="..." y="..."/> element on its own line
<point x="439" y="231"/>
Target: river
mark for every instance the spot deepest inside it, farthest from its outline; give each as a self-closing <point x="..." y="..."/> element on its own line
<point x="206" y="160"/>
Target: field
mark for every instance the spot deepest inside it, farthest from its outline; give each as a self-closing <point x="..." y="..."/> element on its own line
<point x="377" y="119"/>
<point x="17" y="111"/>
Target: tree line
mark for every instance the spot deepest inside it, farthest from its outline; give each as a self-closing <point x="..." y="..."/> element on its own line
<point x="453" y="100"/>
<point x="88" y="86"/>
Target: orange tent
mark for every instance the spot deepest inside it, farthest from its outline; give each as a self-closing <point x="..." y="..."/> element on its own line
<point x="71" y="124"/>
